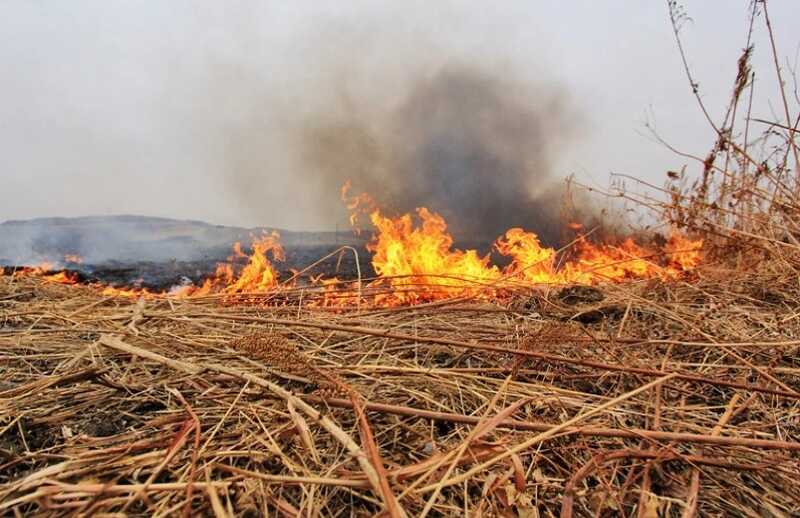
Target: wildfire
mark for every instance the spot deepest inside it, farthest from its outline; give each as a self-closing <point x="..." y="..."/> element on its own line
<point x="258" y="275"/>
<point x="61" y="278"/>
<point x="531" y="261"/>
<point x="415" y="261"/>
<point x="683" y="253"/>
<point x="46" y="271"/>
<point x="421" y="264"/>
<point x="358" y="205"/>
<point x="111" y="291"/>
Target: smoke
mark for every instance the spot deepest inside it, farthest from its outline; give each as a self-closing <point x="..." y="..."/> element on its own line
<point x="411" y="121"/>
<point x="475" y="147"/>
<point x="258" y="117"/>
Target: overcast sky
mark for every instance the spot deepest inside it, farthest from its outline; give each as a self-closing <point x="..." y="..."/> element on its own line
<point x="182" y="109"/>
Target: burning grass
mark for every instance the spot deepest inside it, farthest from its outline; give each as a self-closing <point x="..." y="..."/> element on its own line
<point x="416" y="262"/>
<point x="651" y="396"/>
<point x="607" y="379"/>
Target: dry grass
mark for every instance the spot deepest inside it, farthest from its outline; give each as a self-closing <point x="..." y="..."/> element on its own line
<point x="657" y="398"/>
<point x="644" y="399"/>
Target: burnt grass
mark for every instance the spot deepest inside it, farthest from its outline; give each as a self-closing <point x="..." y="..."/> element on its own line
<point x="163" y="275"/>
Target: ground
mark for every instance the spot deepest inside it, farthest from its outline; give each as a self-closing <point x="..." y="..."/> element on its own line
<point x="645" y="398"/>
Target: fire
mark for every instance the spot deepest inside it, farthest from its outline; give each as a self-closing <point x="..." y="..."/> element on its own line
<point x="40" y="269"/>
<point x="415" y="261"/>
<point x="73" y="258"/>
<point x="46" y="272"/>
<point x="684" y="254"/>
<point x="420" y="262"/>
<point x="61" y="278"/>
<point x="335" y="293"/>
<point x="110" y="291"/>
<point x="531" y="261"/>
<point x="358" y="205"/>
<point x="257" y="276"/>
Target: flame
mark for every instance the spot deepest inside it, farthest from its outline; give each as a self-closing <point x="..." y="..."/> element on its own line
<point x="73" y="258"/>
<point x="684" y="254"/>
<point x="530" y="260"/>
<point x="46" y="271"/>
<point x="415" y="261"/>
<point x="62" y="278"/>
<point x="40" y="269"/>
<point x="257" y="276"/>
<point x="420" y="262"/>
<point x="111" y="291"/>
<point x="335" y="292"/>
<point x="358" y="205"/>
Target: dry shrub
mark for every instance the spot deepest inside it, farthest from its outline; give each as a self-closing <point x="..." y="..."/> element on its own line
<point x="743" y="197"/>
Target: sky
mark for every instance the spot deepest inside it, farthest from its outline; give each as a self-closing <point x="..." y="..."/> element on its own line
<point x="192" y="109"/>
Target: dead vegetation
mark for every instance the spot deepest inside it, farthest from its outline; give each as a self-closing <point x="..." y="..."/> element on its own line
<point x="647" y="398"/>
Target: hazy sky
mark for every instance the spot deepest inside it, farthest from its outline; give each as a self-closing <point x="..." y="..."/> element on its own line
<point x="186" y="109"/>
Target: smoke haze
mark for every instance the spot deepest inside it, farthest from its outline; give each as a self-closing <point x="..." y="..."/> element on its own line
<point x="412" y="123"/>
<point x="463" y="141"/>
<point x="252" y="113"/>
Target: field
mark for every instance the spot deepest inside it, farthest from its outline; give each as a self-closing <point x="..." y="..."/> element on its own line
<point x="654" y="397"/>
<point x="636" y="370"/>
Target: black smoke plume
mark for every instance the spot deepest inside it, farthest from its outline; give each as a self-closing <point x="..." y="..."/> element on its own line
<point x="474" y="146"/>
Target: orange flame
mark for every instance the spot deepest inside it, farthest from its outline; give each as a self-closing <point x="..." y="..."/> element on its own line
<point x="257" y="276"/>
<point x="61" y="278"/>
<point x="358" y="205"/>
<point x="530" y="260"/>
<point x="684" y="254"/>
<point x="111" y="291"/>
<point x="414" y="258"/>
<point x="46" y="271"/>
<point x="420" y="263"/>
